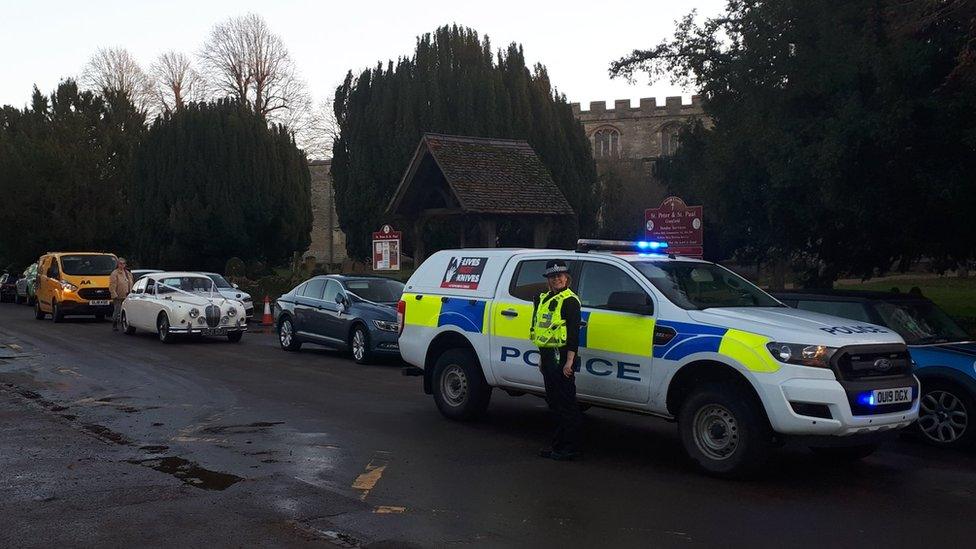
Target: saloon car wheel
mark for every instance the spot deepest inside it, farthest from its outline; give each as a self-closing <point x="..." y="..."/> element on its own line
<point x="359" y="346"/>
<point x="944" y="414"/>
<point x="234" y="337"/>
<point x="126" y="327"/>
<point x="38" y="313"/>
<point x="286" y="335"/>
<point x="162" y="328"/>
<point x="724" y="430"/>
<point x="460" y="390"/>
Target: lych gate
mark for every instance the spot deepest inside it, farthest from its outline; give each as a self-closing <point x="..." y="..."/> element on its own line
<point x="483" y="181"/>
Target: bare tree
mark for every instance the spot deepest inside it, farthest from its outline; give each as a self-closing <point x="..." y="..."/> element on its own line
<point x="176" y="81"/>
<point x="115" y="69"/>
<point x="317" y="131"/>
<point x="243" y="58"/>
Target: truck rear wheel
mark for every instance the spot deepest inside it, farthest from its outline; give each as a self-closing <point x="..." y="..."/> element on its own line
<point x="724" y="430"/>
<point x="460" y="390"/>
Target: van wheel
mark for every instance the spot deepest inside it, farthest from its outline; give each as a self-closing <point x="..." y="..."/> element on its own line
<point x="845" y="453"/>
<point x="162" y="329"/>
<point x="460" y="389"/>
<point x="38" y="313"/>
<point x="57" y="314"/>
<point x="724" y="430"/>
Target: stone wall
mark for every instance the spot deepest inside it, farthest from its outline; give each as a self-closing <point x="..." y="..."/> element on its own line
<point x="643" y="128"/>
<point x="328" y="241"/>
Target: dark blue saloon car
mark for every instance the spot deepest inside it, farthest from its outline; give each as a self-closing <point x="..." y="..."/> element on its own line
<point x="351" y="313"/>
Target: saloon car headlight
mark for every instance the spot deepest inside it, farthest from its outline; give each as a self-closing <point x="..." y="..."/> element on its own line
<point x="386" y="326"/>
<point x="194" y="312"/>
<point x="805" y="355"/>
<point x="232" y="311"/>
<point x="68" y="287"/>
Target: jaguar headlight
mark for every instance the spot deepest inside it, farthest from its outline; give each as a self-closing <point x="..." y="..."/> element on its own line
<point x="386" y="326"/>
<point x="817" y="356"/>
<point x="232" y="311"/>
<point x="194" y="312"/>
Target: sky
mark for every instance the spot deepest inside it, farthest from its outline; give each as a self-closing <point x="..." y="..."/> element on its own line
<point x="43" y="43"/>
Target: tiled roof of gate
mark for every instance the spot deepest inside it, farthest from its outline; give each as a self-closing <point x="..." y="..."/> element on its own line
<point x="502" y="176"/>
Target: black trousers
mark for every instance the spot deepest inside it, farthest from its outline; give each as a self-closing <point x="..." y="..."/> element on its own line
<point x="561" y="396"/>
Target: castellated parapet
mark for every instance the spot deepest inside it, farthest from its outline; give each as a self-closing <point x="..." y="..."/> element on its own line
<point x="644" y="130"/>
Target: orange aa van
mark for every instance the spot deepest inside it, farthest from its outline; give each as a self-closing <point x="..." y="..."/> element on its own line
<point x="73" y="283"/>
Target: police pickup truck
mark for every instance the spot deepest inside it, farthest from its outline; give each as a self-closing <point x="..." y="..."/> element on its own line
<point x="678" y="338"/>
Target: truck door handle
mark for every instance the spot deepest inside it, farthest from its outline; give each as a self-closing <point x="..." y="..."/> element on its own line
<point x="582" y="324"/>
<point x="510" y="312"/>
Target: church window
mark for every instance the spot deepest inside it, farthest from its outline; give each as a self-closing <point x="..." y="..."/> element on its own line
<point x="606" y="143"/>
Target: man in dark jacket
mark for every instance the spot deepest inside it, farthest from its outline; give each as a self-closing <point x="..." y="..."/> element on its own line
<point x="555" y="330"/>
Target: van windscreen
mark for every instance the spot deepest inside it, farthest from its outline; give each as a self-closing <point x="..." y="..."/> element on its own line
<point x="87" y="265"/>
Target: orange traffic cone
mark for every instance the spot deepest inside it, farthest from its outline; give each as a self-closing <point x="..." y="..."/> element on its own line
<point x="267" y="320"/>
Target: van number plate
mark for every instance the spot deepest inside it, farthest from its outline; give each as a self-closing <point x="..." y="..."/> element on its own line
<point x="880" y="397"/>
<point x="99" y="302"/>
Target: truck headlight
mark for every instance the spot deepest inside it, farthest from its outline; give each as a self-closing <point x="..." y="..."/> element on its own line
<point x="194" y="312"/>
<point x="68" y="287"/>
<point x="817" y="356"/>
<point x="386" y="326"/>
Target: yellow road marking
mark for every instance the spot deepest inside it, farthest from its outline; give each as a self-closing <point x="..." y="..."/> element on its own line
<point x="367" y="480"/>
<point x="388" y="509"/>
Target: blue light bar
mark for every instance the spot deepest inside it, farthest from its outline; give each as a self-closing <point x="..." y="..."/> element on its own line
<point x="586" y="245"/>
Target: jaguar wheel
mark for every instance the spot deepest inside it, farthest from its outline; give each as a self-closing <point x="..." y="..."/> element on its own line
<point x="127" y="328"/>
<point x="162" y="329"/>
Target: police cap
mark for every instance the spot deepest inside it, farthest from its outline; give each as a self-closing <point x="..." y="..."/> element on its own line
<point x="555" y="267"/>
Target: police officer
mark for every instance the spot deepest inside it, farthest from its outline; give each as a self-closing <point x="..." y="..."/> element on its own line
<point x="555" y="330"/>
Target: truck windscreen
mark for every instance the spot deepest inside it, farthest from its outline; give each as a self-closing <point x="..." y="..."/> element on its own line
<point x="693" y="285"/>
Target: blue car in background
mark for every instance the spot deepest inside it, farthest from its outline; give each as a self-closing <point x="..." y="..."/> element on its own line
<point x="943" y="353"/>
<point x="351" y="313"/>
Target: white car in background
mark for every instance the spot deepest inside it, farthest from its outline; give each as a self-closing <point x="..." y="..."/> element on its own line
<point x="231" y="291"/>
<point x="177" y="303"/>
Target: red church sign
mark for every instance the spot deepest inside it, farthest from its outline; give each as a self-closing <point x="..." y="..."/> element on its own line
<point x="677" y="224"/>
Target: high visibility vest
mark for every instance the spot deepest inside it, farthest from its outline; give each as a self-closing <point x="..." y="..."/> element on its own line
<point x="548" y="325"/>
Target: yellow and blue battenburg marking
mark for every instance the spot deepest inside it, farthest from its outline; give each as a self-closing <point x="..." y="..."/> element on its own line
<point x="690" y="339"/>
<point x="747" y="348"/>
<point x="434" y="311"/>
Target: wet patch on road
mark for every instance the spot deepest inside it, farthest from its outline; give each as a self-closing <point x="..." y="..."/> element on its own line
<point x="256" y="427"/>
<point x="189" y="472"/>
<point x="154" y="449"/>
<point x="106" y="434"/>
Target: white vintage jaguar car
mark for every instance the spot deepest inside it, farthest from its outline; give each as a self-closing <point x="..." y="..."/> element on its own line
<point x="174" y="303"/>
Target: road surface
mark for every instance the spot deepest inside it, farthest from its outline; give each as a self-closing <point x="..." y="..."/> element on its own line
<point x="108" y="439"/>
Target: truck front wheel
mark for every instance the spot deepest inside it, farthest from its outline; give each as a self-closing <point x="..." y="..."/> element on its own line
<point x="724" y="430"/>
<point x="460" y="390"/>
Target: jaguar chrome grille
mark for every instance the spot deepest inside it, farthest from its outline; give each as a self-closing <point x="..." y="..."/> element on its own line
<point x="212" y="314"/>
